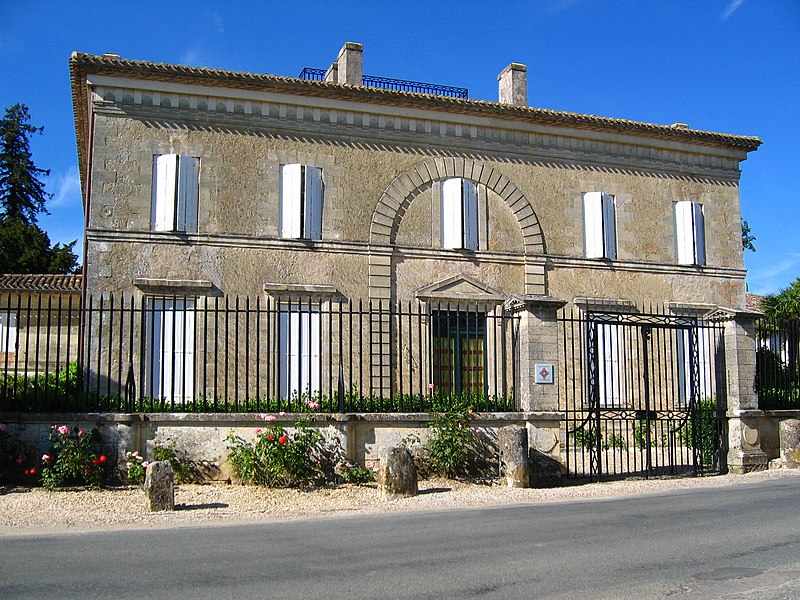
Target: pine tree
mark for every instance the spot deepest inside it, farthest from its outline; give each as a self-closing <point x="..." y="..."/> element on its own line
<point x="24" y="246"/>
<point x="21" y="190"/>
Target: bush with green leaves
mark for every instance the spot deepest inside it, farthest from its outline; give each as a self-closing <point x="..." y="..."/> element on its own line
<point x="279" y="457"/>
<point x="450" y="442"/>
<point x="357" y="474"/>
<point x="707" y="434"/>
<point x="73" y="459"/>
<point x="135" y="467"/>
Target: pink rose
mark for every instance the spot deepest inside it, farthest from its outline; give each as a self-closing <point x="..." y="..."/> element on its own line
<point x="257" y="432"/>
<point x="81" y="432"/>
<point x="312" y="404"/>
<point x="431" y="386"/>
<point x="46" y="457"/>
<point x="269" y="418"/>
<point x="63" y="430"/>
<point x="3" y="426"/>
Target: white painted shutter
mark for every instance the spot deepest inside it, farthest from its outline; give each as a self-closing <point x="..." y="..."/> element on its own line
<point x="188" y="189"/>
<point x="451" y="214"/>
<point x="608" y="364"/>
<point x="310" y="347"/>
<point x="290" y="202"/>
<point x="8" y="332"/>
<point x="470" y="199"/>
<point x="298" y="368"/>
<point x="172" y="350"/>
<point x="684" y="360"/>
<point x="609" y="227"/>
<point x="165" y="169"/>
<point x="699" y="234"/>
<point x="313" y="204"/>
<point x="684" y="235"/>
<point x="593" y="224"/>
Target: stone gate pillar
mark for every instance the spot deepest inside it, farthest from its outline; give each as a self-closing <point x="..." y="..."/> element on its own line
<point x="538" y="344"/>
<point x="744" y="440"/>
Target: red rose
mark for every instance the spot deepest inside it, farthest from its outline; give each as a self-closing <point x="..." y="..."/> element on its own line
<point x="33" y="471"/>
<point x="103" y="458"/>
<point x="282" y="440"/>
<point x="270" y="437"/>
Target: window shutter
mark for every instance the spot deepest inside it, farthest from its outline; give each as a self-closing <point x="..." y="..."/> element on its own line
<point x="684" y="238"/>
<point x="313" y="204"/>
<point x="310" y="349"/>
<point x="451" y="214"/>
<point x="188" y="190"/>
<point x="609" y="227"/>
<point x="470" y="196"/>
<point x="291" y="181"/>
<point x="684" y="350"/>
<point x="183" y="376"/>
<point x="8" y="332"/>
<point x="593" y="224"/>
<point x="608" y="364"/>
<point x="699" y="234"/>
<point x="165" y="169"/>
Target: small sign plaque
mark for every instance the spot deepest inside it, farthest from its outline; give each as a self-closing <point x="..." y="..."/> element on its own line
<point x="544" y="373"/>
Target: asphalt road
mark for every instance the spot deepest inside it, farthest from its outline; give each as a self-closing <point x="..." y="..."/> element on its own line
<point x="737" y="542"/>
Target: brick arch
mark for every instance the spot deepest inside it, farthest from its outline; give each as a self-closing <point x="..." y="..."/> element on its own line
<point x="398" y="195"/>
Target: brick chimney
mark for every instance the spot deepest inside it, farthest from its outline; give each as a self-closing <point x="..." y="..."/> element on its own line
<point x="513" y="86"/>
<point x="349" y="64"/>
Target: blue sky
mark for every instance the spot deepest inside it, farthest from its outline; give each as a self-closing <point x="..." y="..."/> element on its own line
<point x="720" y="65"/>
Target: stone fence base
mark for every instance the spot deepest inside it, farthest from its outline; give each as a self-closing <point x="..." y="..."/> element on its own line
<point x="201" y="437"/>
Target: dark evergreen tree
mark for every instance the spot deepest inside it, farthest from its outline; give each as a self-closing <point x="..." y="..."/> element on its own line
<point x="22" y="192"/>
<point x="24" y="246"/>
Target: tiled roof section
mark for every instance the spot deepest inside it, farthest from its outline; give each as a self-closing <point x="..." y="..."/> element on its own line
<point x="69" y="284"/>
<point x="753" y="302"/>
<point x="83" y="64"/>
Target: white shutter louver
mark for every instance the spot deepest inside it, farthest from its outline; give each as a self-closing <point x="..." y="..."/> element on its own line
<point x="8" y="332"/>
<point x="684" y="237"/>
<point x="593" y="224"/>
<point x="470" y="199"/>
<point x="608" y="364"/>
<point x="451" y="214"/>
<point x="299" y="333"/>
<point x="290" y="201"/>
<point x="165" y="168"/>
<point x="172" y="350"/>
<point x="699" y="234"/>
<point x="313" y="204"/>
<point x="188" y="190"/>
<point x="609" y="227"/>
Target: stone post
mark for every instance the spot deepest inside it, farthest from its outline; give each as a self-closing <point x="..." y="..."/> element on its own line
<point x="397" y="474"/>
<point x="513" y="441"/>
<point x="790" y="442"/>
<point x="350" y="64"/>
<point x="513" y="85"/>
<point x="744" y="443"/>
<point x="159" y="486"/>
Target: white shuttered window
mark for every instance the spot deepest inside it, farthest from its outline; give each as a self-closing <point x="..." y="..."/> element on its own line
<point x="301" y="199"/>
<point x="175" y="192"/>
<point x="608" y="368"/>
<point x="8" y="332"/>
<point x="299" y="364"/>
<point x="599" y="225"/>
<point x="459" y="214"/>
<point x="690" y="243"/>
<point x="171" y="330"/>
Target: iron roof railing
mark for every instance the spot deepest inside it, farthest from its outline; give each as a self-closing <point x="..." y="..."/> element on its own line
<point x="395" y="84"/>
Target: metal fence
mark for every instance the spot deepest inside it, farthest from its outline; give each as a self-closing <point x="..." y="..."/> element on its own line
<point x="643" y="393"/>
<point x="401" y="85"/>
<point x="777" y="365"/>
<point x="219" y="354"/>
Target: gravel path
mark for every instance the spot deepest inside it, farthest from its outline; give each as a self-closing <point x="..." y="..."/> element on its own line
<point x="25" y="511"/>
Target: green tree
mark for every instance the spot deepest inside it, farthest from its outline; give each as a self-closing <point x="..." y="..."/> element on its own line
<point x="24" y="246"/>
<point x="21" y="189"/>
<point x="747" y="237"/>
<point x="785" y="304"/>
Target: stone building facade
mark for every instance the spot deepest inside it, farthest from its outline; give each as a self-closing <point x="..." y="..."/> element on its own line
<point x="203" y="183"/>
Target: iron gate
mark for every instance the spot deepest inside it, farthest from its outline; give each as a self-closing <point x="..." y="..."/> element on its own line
<point x="642" y="394"/>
